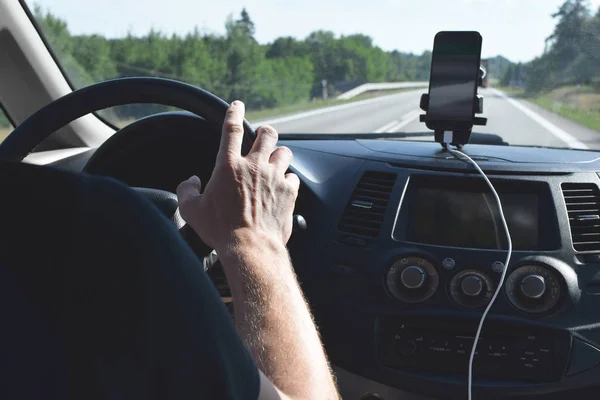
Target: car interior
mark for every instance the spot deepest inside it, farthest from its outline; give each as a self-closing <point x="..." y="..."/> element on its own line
<point x="398" y="245"/>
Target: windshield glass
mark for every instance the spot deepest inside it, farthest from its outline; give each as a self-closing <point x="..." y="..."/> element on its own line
<point x="345" y="66"/>
<point x="5" y="125"/>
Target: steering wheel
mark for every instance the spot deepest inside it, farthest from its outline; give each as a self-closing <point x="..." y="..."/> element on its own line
<point x="117" y="92"/>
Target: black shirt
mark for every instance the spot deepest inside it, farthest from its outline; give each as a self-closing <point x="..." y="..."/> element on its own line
<point x="101" y="299"/>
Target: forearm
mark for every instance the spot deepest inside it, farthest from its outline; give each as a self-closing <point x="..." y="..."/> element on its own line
<point x="273" y="318"/>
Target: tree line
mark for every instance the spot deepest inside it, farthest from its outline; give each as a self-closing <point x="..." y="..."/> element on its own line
<point x="234" y="65"/>
<point x="572" y="51"/>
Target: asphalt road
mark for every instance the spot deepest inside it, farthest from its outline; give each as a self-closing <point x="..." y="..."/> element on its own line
<point x="518" y="122"/>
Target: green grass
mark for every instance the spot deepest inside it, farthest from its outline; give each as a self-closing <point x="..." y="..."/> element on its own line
<point x="256" y="115"/>
<point x="581" y="105"/>
<point x="512" y="91"/>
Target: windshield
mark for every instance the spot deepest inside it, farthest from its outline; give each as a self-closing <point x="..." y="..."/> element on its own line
<point x="345" y="66"/>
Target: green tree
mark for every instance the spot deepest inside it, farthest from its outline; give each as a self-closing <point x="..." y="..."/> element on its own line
<point x="243" y="57"/>
<point x="234" y="65"/>
<point x="93" y="54"/>
<point x="287" y="47"/>
<point x="564" y="60"/>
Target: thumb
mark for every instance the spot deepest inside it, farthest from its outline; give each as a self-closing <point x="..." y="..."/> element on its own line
<point x="189" y="189"/>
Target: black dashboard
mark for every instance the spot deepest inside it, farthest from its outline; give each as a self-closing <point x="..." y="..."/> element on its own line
<point x="404" y="248"/>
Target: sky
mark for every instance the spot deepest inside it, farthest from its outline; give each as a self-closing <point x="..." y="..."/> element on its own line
<point x="515" y="29"/>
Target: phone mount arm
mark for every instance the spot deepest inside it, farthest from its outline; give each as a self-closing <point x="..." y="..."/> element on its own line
<point x="456" y="138"/>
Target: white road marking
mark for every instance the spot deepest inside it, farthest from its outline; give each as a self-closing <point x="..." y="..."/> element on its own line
<point x="326" y="110"/>
<point x="406" y="119"/>
<point x="386" y="127"/>
<point x="569" y="139"/>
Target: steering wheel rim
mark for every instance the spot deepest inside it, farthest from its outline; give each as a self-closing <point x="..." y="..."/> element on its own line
<point x="29" y="134"/>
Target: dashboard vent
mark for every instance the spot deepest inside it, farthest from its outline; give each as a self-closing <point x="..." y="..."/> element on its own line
<point x="583" y="207"/>
<point x="365" y="211"/>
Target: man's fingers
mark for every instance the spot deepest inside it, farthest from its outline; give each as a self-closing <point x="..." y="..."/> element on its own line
<point x="233" y="132"/>
<point x="281" y="158"/>
<point x="293" y="180"/>
<point x="189" y="189"/>
<point x="266" y="139"/>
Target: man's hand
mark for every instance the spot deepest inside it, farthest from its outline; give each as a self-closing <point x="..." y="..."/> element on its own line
<point x="252" y="196"/>
<point x="245" y="214"/>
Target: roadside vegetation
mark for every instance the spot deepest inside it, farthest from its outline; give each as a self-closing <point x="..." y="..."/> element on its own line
<point x="580" y="104"/>
<point x="565" y="79"/>
<point x="288" y="71"/>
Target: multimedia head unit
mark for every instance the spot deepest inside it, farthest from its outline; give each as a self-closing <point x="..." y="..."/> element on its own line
<point x="444" y="345"/>
<point x="462" y="212"/>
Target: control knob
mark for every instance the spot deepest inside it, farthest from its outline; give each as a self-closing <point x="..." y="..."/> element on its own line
<point x="472" y="285"/>
<point x="471" y="288"/>
<point x="534" y="289"/>
<point x="412" y="277"/>
<point x="533" y="286"/>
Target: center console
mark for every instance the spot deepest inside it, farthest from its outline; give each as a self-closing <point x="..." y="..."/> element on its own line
<point x="438" y="213"/>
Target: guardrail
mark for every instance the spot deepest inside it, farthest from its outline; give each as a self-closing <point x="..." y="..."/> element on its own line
<point x="380" y="86"/>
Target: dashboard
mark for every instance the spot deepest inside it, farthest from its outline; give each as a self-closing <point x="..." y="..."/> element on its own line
<point x="403" y="249"/>
<point x="406" y="249"/>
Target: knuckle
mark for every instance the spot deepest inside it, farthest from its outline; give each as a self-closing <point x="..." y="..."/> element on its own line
<point x="286" y="151"/>
<point x="290" y="188"/>
<point x="269" y="132"/>
<point x="254" y="168"/>
<point x="233" y="126"/>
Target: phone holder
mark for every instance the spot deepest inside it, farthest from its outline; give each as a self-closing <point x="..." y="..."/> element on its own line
<point x="458" y="137"/>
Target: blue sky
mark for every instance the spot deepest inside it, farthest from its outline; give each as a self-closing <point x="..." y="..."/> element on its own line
<point x="513" y="28"/>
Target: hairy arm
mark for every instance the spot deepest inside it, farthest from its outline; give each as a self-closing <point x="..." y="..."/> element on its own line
<point x="273" y="318"/>
<point x="245" y="214"/>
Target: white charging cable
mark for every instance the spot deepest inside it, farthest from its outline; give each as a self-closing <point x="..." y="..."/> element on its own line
<point x="462" y="156"/>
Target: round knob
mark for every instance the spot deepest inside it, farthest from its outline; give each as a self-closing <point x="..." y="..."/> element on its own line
<point x="299" y="223"/>
<point x="533" y="286"/>
<point x="472" y="285"/>
<point x="412" y="277"/>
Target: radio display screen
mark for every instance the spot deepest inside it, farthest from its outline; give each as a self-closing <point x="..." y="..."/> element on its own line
<point x="470" y="219"/>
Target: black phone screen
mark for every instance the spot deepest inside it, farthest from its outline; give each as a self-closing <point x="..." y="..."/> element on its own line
<point x="453" y="81"/>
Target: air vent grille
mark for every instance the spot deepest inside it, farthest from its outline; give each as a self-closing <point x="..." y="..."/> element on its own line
<point x="365" y="211"/>
<point x="583" y="207"/>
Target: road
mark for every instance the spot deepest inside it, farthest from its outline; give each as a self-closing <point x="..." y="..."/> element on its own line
<point x="517" y="121"/>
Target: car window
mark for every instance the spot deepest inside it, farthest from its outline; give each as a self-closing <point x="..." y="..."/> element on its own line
<point x="5" y="125"/>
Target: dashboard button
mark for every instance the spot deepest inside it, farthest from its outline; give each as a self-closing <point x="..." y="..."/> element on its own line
<point x="498" y="267"/>
<point x="448" y="263"/>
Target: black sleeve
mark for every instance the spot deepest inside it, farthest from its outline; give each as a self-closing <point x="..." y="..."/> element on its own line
<point x="162" y="330"/>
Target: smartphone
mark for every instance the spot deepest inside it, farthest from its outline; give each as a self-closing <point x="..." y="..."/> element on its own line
<point x="453" y="81"/>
